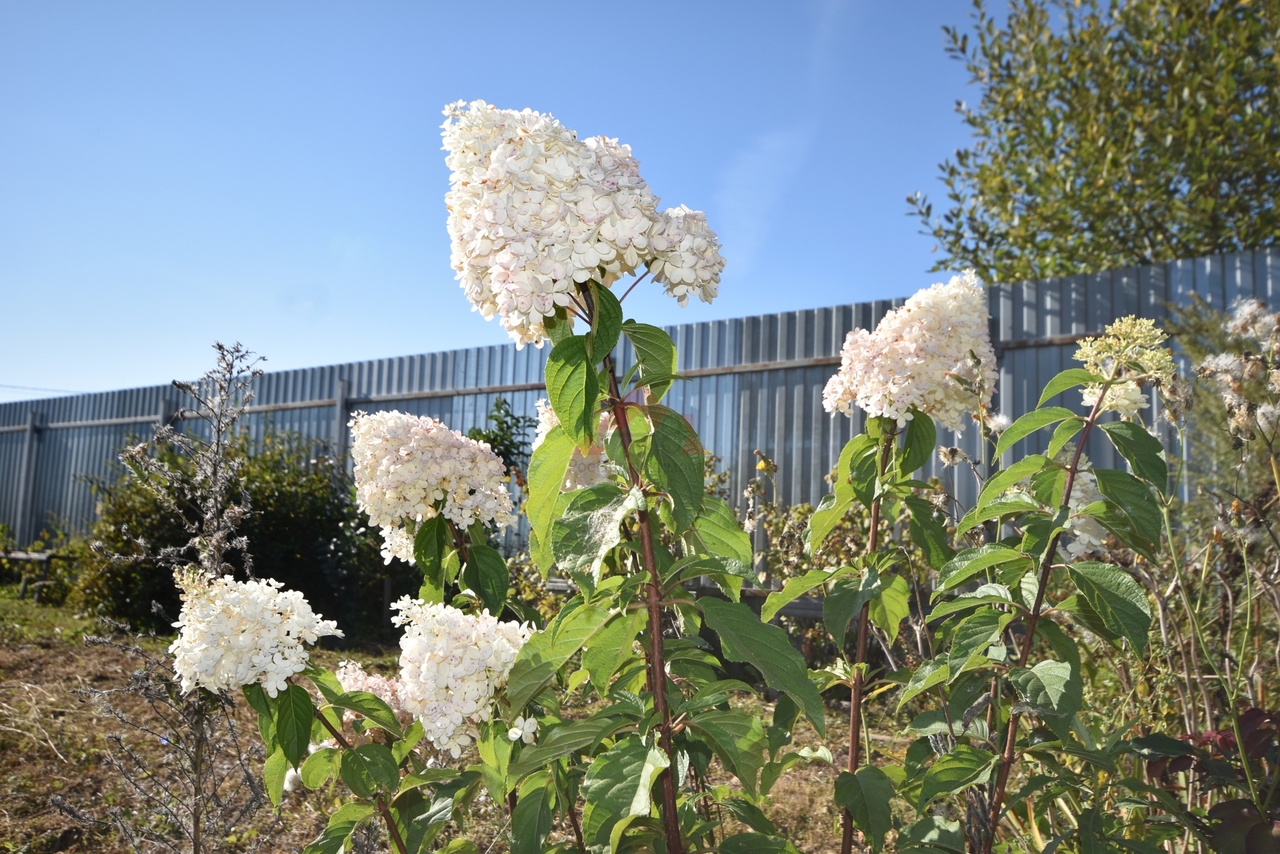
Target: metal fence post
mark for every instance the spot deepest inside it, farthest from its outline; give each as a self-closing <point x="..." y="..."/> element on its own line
<point x="27" y="470"/>
<point x="340" y="395"/>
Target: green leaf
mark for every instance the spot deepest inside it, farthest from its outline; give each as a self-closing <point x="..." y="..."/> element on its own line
<point x="486" y="573"/>
<point x="495" y="757"/>
<point x="927" y="675"/>
<point x="846" y="600"/>
<point x="641" y="434"/>
<point x="547" y="651"/>
<point x="1116" y="598"/>
<point x="589" y="527"/>
<point x="547" y="469"/>
<point x="749" y="814"/>
<point x="963" y="767"/>
<point x="616" y="788"/>
<point x="319" y="767"/>
<point x="1070" y="378"/>
<point x="738" y="738"/>
<point x="1050" y="689"/>
<point x="368" y="769"/>
<point x="655" y="353"/>
<point x="866" y="795"/>
<point x="798" y="586"/>
<point x="675" y="464"/>
<point x="931" y="835"/>
<point x="1064" y="433"/>
<point x="273" y="771"/>
<point x="531" y="821"/>
<point x="606" y="323"/>
<point x="572" y="388"/>
<point x="1143" y="451"/>
<point x="430" y="544"/>
<point x="567" y="740"/>
<point x="918" y="447"/>
<point x="987" y="594"/>
<point x="372" y="708"/>
<point x="832" y="508"/>
<point x="973" y="636"/>
<point x="755" y="843"/>
<point x="1015" y="504"/>
<point x="341" y="825"/>
<point x="928" y="532"/>
<point x="892" y="606"/>
<point x="1159" y="745"/>
<point x="717" y="528"/>
<point x="1034" y="420"/>
<point x="1006" y="478"/>
<point x="768" y="649"/>
<point x="611" y="648"/>
<point x="294" y="714"/>
<point x="265" y="707"/>
<point x="968" y="564"/>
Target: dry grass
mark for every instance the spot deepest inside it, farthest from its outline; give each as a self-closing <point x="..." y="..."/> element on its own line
<point x="52" y="742"/>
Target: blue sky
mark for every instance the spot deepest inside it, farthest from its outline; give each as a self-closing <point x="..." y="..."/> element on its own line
<point x="172" y="174"/>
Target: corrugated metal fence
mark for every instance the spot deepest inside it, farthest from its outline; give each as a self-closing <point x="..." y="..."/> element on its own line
<point x="754" y="383"/>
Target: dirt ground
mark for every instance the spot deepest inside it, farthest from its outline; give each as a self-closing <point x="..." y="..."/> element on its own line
<point x="53" y="743"/>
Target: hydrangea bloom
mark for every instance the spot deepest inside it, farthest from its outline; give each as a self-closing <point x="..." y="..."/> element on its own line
<point x="409" y="469"/>
<point x="1125" y="398"/>
<point x="523" y="729"/>
<point x="914" y="356"/>
<point x="1086" y="532"/>
<point x="451" y="663"/>
<point x="355" y="678"/>
<point x="233" y="633"/>
<point x="534" y="212"/>
<point x="584" y="469"/>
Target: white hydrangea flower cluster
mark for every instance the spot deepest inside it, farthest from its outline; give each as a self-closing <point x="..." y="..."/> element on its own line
<point x="1087" y="533"/>
<point x="913" y="357"/>
<point x="409" y="469"/>
<point x="1125" y="398"/>
<point x="584" y="469"/>
<point x="234" y="633"/>
<point x="451" y="663"/>
<point x="534" y="212"/>
<point x="355" y="678"/>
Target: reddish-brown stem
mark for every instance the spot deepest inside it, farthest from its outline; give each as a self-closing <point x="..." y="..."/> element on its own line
<point x="577" y="828"/>
<point x="657" y="675"/>
<point x="860" y="657"/>
<point x="1046" y="566"/>
<point x="381" y="805"/>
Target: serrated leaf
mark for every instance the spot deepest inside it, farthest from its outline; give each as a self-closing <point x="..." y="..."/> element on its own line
<point x="1050" y="689"/>
<point x="368" y="769"/>
<point x="755" y="843"/>
<point x="738" y="738"/>
<point x="675" y="464"/>
<point x="798" y="586"/>
<point x="656" y="354"/>
<point x="768" y="649"/>
<point x="867" y="795"/>
<point x="719" y="532"/>
<point x="974" y="635"/>
<point x="486" y="573"/>
<point x="1068" y="379"/>
<point x="919" y="443"/>
<point x="1116" y="598"/>
<point x="1064" y="433"/>
<point x="567" y="740"/>
<point x="931" y="835"/>
<point x="319" y="767"/>
<point x="589" y="526"/>
<point x="892" y="606"/>
<point x="273" y="771"/>
<point x="749" y="814"/>
<point x="616" y="788"/>
<point x="846" y="600"/>
<point x="1143" y="451"/>
<point x="1036" y="419"/>
<point x="547" y="651"/>
<point x="573" y="389"/>
<point x="547" y="469"/>
<point x="928" y="532"/>
<point x="372" y="708"/>
<point x="1006" y="478"/>
<point x="606" y="323"/>
<point x="959" y="769"/>
<point x="611" y="648"/>
<point x="294" y="715"/>
<point x="1014" y="504"/>
<point x="430" y="544"/>
<point x="927" y="675"/>
<point x="531" y="821"/>
<point x="968" y="564"/>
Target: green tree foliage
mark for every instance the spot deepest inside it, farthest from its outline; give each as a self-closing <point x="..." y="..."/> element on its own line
<point x="508" y="437"/>
<point x="303" y="530"/>
<point x="1112" y="134"/>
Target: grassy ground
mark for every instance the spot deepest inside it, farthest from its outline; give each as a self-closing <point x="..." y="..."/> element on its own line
<point x="52" y="742"/>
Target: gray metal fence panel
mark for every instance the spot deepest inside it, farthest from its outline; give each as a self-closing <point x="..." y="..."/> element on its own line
<point x="755" y="383"/>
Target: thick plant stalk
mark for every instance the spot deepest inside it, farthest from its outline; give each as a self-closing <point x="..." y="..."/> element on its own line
<point x="381" y="804"/>
<point x="656" y="657"/>
<point x="854" y="758"/>
<point x="1046" y="566"/>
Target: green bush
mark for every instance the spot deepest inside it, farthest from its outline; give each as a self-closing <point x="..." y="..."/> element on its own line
<point x="303" y="529"/>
